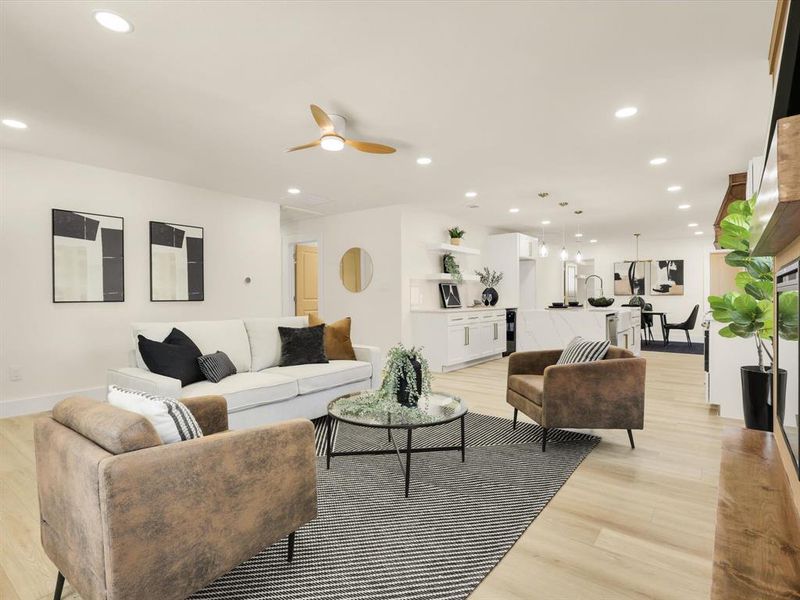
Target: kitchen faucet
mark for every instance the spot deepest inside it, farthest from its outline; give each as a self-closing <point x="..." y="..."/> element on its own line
<point x="586" y="282"/>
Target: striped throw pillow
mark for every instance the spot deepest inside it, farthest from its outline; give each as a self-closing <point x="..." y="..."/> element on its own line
<point x="172" y="420"/>
<point x="580" y="350"/>
<point x="217" y="366"/>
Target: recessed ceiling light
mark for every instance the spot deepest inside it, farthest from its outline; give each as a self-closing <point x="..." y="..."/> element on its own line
<point x="578" y="235"/>
<point x="471" y="194"/>
<point x="513" y="210"/>
<point x="592" y="241"/>
<point x="293" y="191"/>
<point x="698" y="233"/>
<point x="659" y="160"/>
<point x="545" y="222"/>
<point x="684" y="206"/>
<point x="674" y="188"/>
<point x="624" y="113"/>
<point x="424" y="160"/>
<point x="112" y="21"/>
<point x="14" y="124"/>
<point x="692" y="224"/>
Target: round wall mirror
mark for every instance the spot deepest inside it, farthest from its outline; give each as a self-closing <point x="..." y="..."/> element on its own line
<point x="355" y="269"/>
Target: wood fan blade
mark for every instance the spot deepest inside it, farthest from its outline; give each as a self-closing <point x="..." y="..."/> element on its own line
<point x="322" y="119"/>
<point x="371" y="147"/>
<point x="304" y="146"/>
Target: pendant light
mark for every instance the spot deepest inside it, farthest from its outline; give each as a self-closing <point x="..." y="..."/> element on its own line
<point x="543" y="249"/>
<point x="564" y="255"/>
<point x="579" y="235"/>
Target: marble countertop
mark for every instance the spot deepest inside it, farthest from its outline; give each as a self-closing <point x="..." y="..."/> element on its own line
<point x="456" y="310"/>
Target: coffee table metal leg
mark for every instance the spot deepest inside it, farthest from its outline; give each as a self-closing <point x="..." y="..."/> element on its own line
<point x="328" y="426"/>
<point x="408" y="460"/>
<point x="463" y="441"/>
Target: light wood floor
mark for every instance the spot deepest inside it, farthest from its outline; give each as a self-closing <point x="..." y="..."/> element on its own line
<point x="628" y="524"/>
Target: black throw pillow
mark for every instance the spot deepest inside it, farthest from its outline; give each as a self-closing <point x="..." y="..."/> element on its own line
<point x="175" y="357"/>
<point x="302" y="345"/>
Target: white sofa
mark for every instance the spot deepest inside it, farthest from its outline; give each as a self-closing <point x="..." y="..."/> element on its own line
<point x="261" y="391"/>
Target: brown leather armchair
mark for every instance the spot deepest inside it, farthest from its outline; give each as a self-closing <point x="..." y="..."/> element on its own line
<point x="125" y="517"/>
<point x="605" y="394"/>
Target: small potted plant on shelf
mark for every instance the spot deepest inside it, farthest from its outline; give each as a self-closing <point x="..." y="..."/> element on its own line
<point x="406" y="375"/>
<point x="451" y="266"/>
<point x="489" y="279"/>
<point x="456" y="233"/>
<point x="748" y="313"/>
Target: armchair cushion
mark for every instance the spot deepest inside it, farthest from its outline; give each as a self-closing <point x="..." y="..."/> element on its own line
<point x="115" y="430"/>
<point x="580" y="350"/>
<point x="533" y="362"/>
<point x="172" y="420"/>
<point x="529" y="386"/>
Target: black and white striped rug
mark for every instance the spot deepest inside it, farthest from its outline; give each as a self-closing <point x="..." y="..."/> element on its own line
<point x="369" y="542"/>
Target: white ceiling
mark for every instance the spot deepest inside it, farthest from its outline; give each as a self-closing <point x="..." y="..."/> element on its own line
<point x="509" y="99"/>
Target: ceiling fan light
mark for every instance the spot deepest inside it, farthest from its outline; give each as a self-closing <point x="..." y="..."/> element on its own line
<point x="332" y="143"/>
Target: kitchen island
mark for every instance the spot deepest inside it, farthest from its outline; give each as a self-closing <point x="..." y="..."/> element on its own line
<point x="552" y="328"/>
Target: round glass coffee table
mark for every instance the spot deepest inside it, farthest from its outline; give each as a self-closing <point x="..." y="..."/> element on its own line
<point x="436" y="409"/>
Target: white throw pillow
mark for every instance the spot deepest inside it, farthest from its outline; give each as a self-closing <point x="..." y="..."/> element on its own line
<point x="172" y="420"/>
<point x="580" y="350"/>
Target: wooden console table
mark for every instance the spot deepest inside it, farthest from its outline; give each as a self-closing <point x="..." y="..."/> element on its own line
<point x="757" y="543"/>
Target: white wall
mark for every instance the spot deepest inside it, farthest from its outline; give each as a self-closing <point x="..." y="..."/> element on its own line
<point x="693" y="252"/>
<point x="376" y="311"/>
<point x="61" y="348"/>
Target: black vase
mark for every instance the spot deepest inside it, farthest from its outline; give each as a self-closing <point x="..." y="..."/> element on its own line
<point x="490" y="296"/>
<point x="757" y="397"/>
<point x="405" y="394"/>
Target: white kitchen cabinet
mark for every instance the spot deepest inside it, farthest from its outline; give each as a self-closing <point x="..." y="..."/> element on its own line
<point x="514" y="254"/>
<point x="527" y="247"/>
<point x="457" y="338"/>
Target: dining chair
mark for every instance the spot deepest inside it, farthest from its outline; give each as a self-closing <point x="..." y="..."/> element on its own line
<point x="647" y="322"/>
<point x="686" y="326"/>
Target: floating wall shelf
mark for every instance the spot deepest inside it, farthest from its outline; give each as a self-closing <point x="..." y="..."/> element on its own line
<point x="447" y="277"/>
<point x="453" y="249"/>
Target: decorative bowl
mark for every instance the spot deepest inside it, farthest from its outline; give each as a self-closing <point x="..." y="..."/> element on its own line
<point x="601" y="302"/>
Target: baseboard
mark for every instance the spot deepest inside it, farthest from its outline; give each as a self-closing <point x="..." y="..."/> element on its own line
<point x="37" y="404"/>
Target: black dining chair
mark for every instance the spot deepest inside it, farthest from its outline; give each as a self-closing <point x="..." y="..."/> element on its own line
<point x="687" y="326"/>
<point x="647" y="323"/>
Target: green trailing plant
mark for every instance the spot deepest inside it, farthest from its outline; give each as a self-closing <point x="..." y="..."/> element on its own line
<point x="456" y="232"/>
<point x="379" y="403"/>
<point x="748" y="311"/>
<point x="400" y="367"/>
<point x="451" y="266"/>
<point x="489" y="278"/>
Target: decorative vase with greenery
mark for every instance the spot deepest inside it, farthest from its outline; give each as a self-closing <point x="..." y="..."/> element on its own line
<point x="456" y="233"/>
<point x="748" y="312"/>
<point x="489" y="279"/>
<point x="406" y="375"/>
<point x="451" y="266"/>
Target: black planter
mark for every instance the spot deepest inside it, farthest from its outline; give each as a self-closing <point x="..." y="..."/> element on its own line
<point x="757" y="397"/>
<point x="490" y="297"/>
<point x="404" y="395"/>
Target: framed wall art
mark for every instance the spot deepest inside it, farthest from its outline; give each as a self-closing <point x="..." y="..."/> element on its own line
<point x="176" y="263"/>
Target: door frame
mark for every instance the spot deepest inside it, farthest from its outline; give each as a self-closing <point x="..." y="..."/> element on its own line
<point x="288" y="247"/>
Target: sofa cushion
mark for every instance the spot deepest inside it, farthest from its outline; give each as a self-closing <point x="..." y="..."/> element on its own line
<point x="265" y="342"/>
<point x="322" y="376"/>
<point x="216" y="366"/>
<point x="338" y="345"/>
<point x="246" y="389"/>
<point x="229" y="336"/>
<point x="302" y="345"/>
<point x="175" y="357"/>
<point x="113" y="429"/>
<point x="530" y="386"/>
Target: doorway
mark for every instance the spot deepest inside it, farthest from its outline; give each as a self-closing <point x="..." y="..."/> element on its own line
<point x="306" y="279"/>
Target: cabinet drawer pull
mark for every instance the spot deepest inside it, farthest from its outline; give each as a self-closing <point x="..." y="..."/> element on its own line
<point x="466" y="336"/>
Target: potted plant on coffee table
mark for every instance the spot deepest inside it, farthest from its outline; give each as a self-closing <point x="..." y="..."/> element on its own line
<point x="748" y="313"/>
<point x="406" y="375"/>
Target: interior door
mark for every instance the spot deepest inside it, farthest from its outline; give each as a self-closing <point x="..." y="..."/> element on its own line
<point x="306" y="295"/>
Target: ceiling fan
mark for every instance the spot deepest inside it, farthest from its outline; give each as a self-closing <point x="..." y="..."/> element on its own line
<point x="332" y="138"/>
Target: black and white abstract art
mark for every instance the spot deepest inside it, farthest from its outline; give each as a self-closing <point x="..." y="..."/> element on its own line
<point x="668" y="275"/>
<point x="631" y="278"/>
<point x="176" y="262"/>
<point x="450" y="296"/>
<point x="88" y="257"/>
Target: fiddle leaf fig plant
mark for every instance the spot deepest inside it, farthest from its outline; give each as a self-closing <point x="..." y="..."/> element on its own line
<point x="747" y="311"/>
